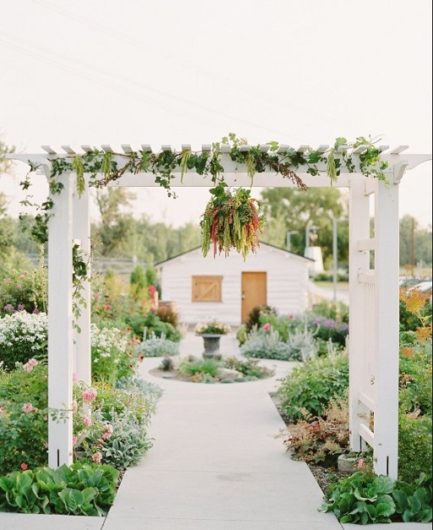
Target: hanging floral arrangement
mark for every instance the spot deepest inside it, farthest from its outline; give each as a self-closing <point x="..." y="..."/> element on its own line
<point x="232" y="220"/>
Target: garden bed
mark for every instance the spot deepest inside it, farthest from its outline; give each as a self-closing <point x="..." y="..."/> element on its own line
<point x="226" y="370"/>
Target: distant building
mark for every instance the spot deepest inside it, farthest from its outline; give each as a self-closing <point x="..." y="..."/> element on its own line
<point x="228" y="288"/>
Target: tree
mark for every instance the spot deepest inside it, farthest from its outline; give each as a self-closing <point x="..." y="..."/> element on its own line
<point x="291" y="210"/>
<point x="415" y="242"/>
<point x="114" y="232"/>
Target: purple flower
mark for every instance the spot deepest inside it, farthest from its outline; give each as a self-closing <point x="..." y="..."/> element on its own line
<point x="20" y="307"/>
<point x="9" y="308"/>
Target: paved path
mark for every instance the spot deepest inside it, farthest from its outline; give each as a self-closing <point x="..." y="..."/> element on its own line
<point x="217" y="464"/>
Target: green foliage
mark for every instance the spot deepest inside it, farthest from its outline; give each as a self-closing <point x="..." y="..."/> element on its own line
<point x="256" y="314"/>
<point x="152" y="324"/>
<point x="415" y="446"/>
<point x="138" y="277"/>
<point x="23" y="289"/>
<point x="365" y="498"/>
<point x="410" y="321"/>
<point x="153" y="346"/>
<point x="284" y="325"/>
<point x="207" y="367"/>
<point x="415" y="242"/>
<point x="249" y="368"/>
<point x="338" y="312"/>
<point x="80" y="489"/>
<point x="413" y="501"/>
<point x="416" y="379"/>
<point x="310" y="387"/>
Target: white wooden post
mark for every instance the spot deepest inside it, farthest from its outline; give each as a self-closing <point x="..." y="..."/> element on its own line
<point x="387" y="329"/>
<point x="359" y="229"/>
<point x="60" y="350"/>
<point x="82" y="338"/>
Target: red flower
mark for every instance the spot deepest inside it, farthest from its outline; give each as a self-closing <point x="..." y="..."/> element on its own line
<point x="24" y="466"/>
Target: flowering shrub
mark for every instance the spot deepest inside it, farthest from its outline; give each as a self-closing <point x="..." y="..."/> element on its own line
<point x="330" y="329"/>
<point x="112" y="354"/>
<point x="99" y="412"/>
<point x="212" y="328"/>
<point x="23" y="291"/>
<point x="157" y="347"/>
<point x="23" y="336"/>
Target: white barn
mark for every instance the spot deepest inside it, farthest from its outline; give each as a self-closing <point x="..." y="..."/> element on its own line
<point x="228" y="288"/>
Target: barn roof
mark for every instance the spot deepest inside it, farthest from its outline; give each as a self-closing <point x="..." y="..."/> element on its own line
<point x="262" y="243"/>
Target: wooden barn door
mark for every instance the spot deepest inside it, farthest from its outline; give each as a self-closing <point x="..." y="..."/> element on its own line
<point x="253" y="291"/>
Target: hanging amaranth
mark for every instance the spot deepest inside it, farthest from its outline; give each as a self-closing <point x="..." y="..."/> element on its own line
<point x="231" y="221"/>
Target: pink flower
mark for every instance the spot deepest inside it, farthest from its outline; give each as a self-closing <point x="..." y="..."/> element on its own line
<point x="24" y="466"/>
<point x="267" y="327"/>
<point x="361" y="463"/>
<point x="108" y="432"/>
<point x="87" y="420"/>
<point x="28" y="407"/>
<point x="30" y="364"/>
<point x="97" y="457"/>
<point x="74" y="440"/>
<point x="89" y="395"/>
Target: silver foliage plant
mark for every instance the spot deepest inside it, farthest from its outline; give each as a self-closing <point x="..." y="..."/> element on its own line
<point x="153" y="346"/>
<point x="300" y="346"/>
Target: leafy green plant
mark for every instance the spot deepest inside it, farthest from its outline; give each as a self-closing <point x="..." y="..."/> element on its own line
<point x="250" y="369"/>
<point x="256" y="313"/>
<point x="365" y="498"/>
<point x="151" y="323"/>
<point x="24" y="290"/>
<point x="415" y="446"/>
<point x="413" y="501"/>
<point x="191" y="368"/>
<point x="80" y="489"/>
<point x="310" y="387"/>
<point x="153" y="346"/>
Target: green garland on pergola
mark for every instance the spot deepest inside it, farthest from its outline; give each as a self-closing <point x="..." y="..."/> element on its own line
<point x="230" y="220"/>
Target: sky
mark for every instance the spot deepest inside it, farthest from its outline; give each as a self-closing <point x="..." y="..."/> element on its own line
<point x="95" y="72"/>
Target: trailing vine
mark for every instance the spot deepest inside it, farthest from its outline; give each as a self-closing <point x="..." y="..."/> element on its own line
<point x="102" y="167"/>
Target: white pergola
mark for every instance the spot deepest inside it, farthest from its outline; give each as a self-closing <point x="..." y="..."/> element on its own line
<point x="374" y="290"/>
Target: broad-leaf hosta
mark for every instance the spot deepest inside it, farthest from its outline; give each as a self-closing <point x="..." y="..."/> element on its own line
<point x="81" y="489"/>
<point x="365" y="498"/>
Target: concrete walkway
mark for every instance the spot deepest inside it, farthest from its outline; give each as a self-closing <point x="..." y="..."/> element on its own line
<point x="217" y="464"/>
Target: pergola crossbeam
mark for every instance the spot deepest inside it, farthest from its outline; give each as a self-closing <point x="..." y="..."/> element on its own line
<point x="373" y="334"/>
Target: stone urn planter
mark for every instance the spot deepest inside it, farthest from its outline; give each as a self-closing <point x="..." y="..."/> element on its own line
<point x="211" y="343"/>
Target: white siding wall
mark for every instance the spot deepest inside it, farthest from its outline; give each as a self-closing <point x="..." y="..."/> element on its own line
<point x="287" y="277"/>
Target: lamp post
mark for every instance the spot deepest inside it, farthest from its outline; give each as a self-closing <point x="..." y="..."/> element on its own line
<point x="334" y="257"/>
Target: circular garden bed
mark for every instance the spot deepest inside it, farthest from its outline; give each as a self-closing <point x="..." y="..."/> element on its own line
<point x="225" y="370"/>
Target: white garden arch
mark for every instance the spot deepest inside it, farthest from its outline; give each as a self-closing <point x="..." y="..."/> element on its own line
<point x="374" y="290"/>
